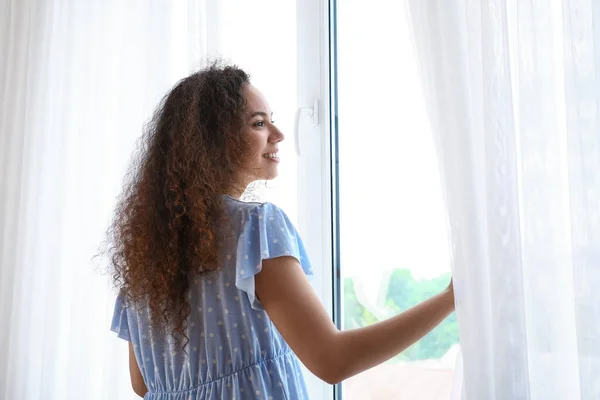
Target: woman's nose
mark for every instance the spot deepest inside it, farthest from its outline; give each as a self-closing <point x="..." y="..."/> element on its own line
<point x="277" y="135"/>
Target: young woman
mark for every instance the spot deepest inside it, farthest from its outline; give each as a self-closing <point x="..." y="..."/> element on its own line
<point x="214" y="297"/>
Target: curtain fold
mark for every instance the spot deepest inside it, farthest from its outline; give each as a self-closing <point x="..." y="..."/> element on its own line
<point x="513" y="101"/>
<point x="77" y="81"/>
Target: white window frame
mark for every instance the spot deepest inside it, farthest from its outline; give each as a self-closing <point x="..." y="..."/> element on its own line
<point x="315" y="213"/>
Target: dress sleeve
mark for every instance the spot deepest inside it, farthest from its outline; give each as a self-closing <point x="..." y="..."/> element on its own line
<point x="120" y="322"/>
<point x="267" y="232"/>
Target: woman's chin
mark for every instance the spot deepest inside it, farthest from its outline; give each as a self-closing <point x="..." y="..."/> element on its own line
<point x="269" y="175"/>
<point x="272" y="176"/>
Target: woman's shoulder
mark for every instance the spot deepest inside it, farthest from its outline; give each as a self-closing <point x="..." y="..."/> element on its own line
<point x="258" y="209"/>
<point x="262" y="219"/>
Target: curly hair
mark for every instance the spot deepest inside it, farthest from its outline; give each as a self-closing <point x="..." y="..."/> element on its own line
<point x="164" y="229"/>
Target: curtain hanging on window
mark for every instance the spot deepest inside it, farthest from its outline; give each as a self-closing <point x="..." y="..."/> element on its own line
<point x="513" y="92"/>
<point x="77" y="81"/>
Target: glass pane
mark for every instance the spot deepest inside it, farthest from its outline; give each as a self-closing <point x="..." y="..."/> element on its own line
<point x="394" y="250"/>
<point x="260" y="36"/>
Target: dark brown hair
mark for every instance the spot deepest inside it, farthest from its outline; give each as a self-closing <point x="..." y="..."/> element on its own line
<point x="164" y="228"/>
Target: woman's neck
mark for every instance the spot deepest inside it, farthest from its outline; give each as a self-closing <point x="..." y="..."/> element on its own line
<point x="236" y="192"/>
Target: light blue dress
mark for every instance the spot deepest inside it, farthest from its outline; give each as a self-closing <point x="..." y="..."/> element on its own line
<point x="235" y="351"/>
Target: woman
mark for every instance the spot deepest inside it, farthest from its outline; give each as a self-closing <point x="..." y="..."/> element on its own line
<point x="214" y="297"/>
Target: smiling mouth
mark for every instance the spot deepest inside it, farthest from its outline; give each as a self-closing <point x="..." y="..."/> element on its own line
<point x="271" y="156"/>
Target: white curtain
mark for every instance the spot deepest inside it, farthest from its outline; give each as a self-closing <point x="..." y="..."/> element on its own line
<point x="513" y="90"/>
<point x="77" y="81"/>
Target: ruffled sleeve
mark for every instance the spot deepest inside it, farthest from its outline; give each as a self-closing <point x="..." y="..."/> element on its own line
<point x="120" y="322"/>
<point x="267" y="232"/>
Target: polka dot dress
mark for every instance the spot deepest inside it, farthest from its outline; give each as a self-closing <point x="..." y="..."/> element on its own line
<point x="234" y="351"/>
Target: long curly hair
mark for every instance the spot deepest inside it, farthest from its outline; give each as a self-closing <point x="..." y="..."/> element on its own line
<point x="164" y="228"/>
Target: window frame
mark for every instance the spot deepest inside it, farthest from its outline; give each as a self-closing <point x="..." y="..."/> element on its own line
<point x="317" y="199"/>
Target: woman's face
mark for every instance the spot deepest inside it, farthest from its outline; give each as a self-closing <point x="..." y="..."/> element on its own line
<point x="264" y="138"/>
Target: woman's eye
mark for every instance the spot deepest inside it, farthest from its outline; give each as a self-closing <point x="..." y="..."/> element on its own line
<point x="262" y="123"/>
<point x="273" y="122"/>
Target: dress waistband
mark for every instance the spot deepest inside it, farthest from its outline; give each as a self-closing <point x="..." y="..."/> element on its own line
<point x="157" y="394"/>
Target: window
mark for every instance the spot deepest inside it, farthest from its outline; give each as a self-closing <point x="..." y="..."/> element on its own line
<point x="391" y="226"/>
<point x="360" y="183"/>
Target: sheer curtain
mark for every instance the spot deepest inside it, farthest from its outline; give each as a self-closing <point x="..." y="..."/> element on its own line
<point x="77" y="81"/>
<point x="513" y="94"/>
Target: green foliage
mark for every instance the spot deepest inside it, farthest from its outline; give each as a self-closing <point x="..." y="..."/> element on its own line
<point x="355" y="315"/>
<point x="404" y="292"/>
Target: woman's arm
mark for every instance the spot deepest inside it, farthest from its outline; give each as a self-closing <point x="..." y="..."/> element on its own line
<point x="330" y="354"/>
<point x="137" y="381"/>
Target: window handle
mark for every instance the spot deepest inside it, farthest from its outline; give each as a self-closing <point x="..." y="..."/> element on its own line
<point x="311" y="112"/>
